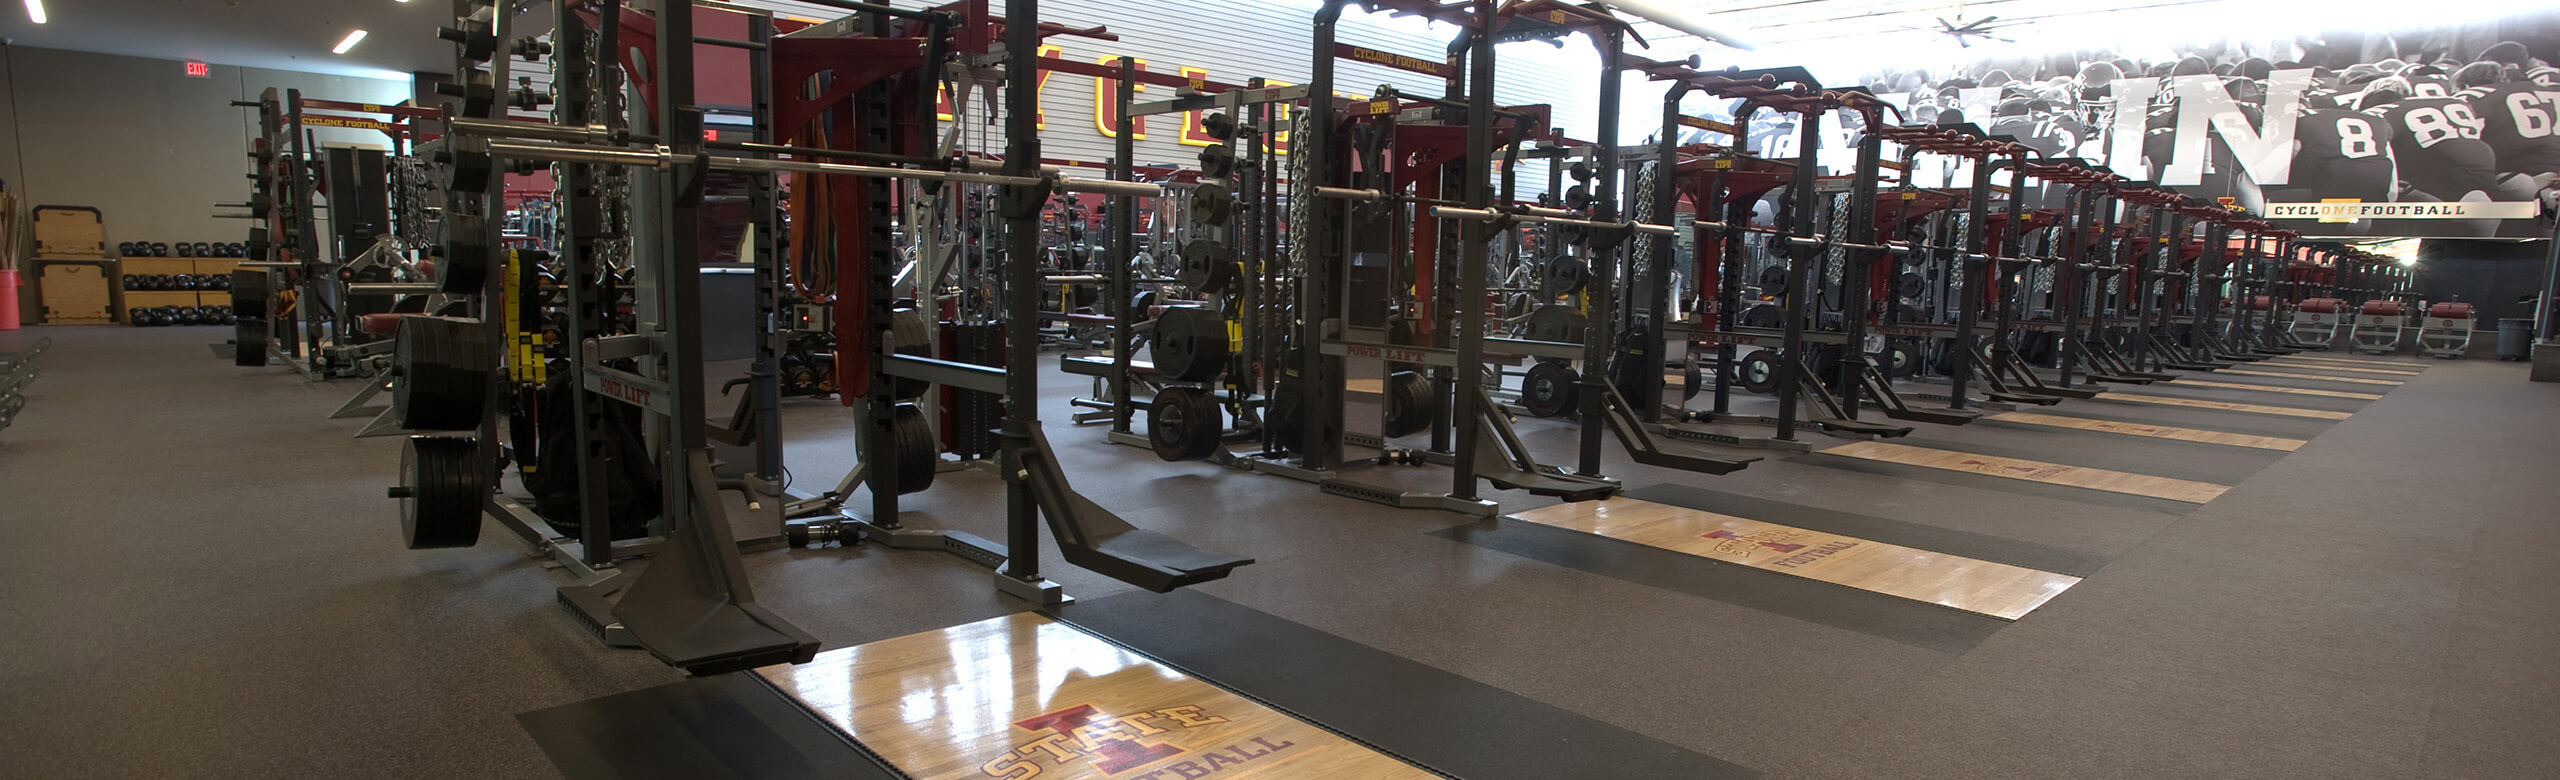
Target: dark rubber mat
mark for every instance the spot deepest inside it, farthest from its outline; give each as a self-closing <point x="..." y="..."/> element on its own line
<point x="728" y="726"/>
<point x="1981" y="547"/>
<point x="2200" y="419"/>
<point x="2112" y="452"/>
<point x="1838" y="606"/>
<point x="1426" y="715"/>
<point x="2000" y="484"/>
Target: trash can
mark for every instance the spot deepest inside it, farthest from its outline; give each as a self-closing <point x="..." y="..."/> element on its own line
<point x="2515" y="339"/>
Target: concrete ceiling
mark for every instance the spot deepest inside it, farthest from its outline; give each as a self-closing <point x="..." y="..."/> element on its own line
<point x="280" y="34"/>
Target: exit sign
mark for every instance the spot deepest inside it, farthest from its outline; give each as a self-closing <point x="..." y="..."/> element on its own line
<point x="199" y="70"/>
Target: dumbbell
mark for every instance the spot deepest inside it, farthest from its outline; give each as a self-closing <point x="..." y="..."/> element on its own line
<point x="187" y="315"/>
<point x="186" y="249"/>
<point x="137" y="317"/>
<point x="159" y="249"/>
<point x="204" y="249"/>
<point x="183" y="282"/>
<point x="160" y="317"/>
<point x="221" y="283"/>
<point x="132" y="282"/>
<point x="819" y="533"/>
<point x="124" y="248"/>
<point x="1398" y="456"/>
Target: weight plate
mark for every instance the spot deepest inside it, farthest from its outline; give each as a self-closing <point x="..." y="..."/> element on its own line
<point x="1764" y="315"/>
<point x="440" y="494"/>
<point x="1211" y="204"/>
<point x="443" y="366"/>
<point x="1758" y="372"/>
<point x="1564" y="276"/>
<point x="1410" y="404"/>
<point x="1773" y="281"/>
<point x="248" y="340"/>
<point x="1913" y="285"/>
<point x="249" y="293"/>
<point x="918" y="450"/>
<point x="1557" y="323"/>
<point x="1183" y="423"/>
<point x="910" y="335"/>
<point x="1189" y="345"/>
<point x="1216" y="162"/>
<point x="1898" y="359"/>
<point x="1548" y="390"/>
<point x="1207" y="267"/>
<point x="1692" y="381"/>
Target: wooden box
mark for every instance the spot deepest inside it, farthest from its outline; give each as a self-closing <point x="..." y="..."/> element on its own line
<point x="70" y="231"/>
<point x="75" y="292"/>
<point x="216" y="267"/>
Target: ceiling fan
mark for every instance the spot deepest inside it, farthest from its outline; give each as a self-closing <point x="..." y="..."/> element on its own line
<point x="1978" y="28"/>
<point x="1966" y="32"/>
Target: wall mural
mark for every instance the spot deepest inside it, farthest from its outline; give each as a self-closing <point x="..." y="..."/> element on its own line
<point x="2451" y="132"/>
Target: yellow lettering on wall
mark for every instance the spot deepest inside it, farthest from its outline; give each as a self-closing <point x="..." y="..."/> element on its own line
<point x="1105" y="90"/>
<point x="1041" y="117"/>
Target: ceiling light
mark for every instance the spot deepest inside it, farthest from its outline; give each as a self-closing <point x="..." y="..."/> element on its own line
<point x="35" y="11"/>
<point x="343" y="46"/>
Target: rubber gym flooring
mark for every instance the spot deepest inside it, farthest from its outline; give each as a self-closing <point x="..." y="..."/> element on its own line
<point x="203" y="580"/>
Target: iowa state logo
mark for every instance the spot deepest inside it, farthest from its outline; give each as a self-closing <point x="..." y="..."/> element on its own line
<point x="1731" y="543"/>
<point x="1116" y="745"/>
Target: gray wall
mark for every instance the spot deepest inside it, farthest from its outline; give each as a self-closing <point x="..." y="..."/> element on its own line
<point x="147" y="145"/>
<point x="144" y="143"/>
<point x="2491" y="275"/>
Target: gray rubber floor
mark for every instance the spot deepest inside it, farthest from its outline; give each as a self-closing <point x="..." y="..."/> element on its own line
<point x="203" y="580"/>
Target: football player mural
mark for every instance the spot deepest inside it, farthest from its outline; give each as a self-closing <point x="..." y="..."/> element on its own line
<point x="2444" y="133"/>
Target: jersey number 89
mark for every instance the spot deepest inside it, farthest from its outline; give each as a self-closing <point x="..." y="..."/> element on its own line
<point x="2431" y="125"/>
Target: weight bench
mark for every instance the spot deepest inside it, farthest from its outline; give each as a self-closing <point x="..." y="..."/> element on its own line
<point x="2315" y="322"/>
<point x="2377" y="328"/>
<point x="2446" y="330"/>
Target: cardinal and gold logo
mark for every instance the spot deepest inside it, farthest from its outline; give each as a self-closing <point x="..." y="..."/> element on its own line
<point x="1120" y="745"/>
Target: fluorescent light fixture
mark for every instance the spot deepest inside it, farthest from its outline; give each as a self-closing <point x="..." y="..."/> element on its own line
<point x="35" y="11"/>
<point x="343" y="46"/>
